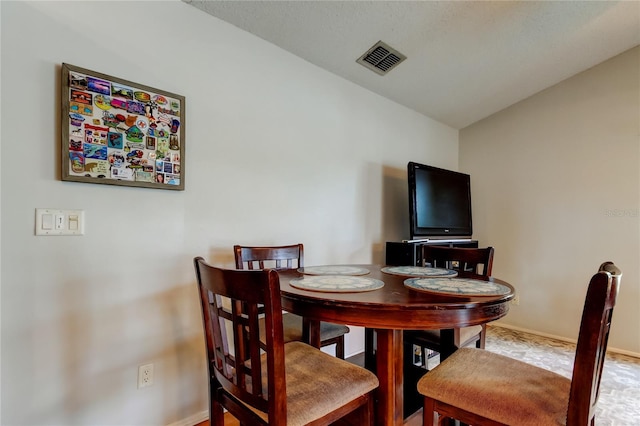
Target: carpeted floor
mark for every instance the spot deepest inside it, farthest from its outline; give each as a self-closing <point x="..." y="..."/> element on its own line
<point x="619" y="402"/>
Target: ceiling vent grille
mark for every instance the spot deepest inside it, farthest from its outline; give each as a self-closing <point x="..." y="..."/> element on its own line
<point x="381" y="58"/>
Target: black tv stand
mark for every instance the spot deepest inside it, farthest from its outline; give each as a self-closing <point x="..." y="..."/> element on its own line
<point x="438" y="240"/>
<point x="407" y="252"/>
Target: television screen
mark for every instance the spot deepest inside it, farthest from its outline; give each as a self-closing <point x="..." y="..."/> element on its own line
<point x="439" y="202"/>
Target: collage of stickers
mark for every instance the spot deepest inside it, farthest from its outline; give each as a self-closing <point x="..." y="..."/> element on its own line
<point x="123" y="133"/>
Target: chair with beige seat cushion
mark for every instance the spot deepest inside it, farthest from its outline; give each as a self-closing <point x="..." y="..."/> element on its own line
<point x="480" y="387"/>
<point x="289" y="257"/>
<point x="271" y="382"/>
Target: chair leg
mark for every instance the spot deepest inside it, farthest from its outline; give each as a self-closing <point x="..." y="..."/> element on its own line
<point x="216" y="417"/>
<point x="447" y="344"/>
<point x="369" y="350"/>
<point x="428" y="413"/>
<point x="362" y="416"/>
<point x="340" y="348"/>
<point x="483" y="337"/>
<point x="369" y="416"/>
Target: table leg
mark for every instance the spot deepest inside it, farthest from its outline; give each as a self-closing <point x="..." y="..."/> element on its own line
<point x="389" y="371"/>
<point x="311" y="332"/>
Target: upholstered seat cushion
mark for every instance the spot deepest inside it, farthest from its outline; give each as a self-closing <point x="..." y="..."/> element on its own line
<point x="318" y="383"/>
<point x="499" y="388"/>
<point x="329" y="330"/>
<point x="292" y="326"/>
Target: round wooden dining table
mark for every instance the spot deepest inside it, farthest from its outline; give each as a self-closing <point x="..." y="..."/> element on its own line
<point x="389" y="310"/>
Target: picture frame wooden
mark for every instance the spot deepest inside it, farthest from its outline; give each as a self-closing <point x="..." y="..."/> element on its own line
<point x="118" y="132"/>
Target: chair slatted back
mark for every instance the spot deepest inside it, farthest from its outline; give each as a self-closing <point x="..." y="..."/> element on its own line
<point x="233" y="300"/>
<point x="279" y="257"/>
<point x="592" y="344"/>
<point x="473" y="260"/>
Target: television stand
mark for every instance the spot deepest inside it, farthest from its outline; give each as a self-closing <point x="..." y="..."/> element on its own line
<point x="407" y="252"/>
<point x="438" y="240"/>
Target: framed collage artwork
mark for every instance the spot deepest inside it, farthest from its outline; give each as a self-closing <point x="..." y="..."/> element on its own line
<point x="118" y="132"/>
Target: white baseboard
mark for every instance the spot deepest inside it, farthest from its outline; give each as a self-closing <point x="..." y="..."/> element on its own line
<point x="192" y="420"/>
<point x="564" y="339"/>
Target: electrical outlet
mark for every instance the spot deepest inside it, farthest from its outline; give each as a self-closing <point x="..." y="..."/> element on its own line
<point x="516" y="300"/>
<point x="145" y="376"/>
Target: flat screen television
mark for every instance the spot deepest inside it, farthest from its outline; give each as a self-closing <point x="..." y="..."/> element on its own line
<point x="439" y="203"/>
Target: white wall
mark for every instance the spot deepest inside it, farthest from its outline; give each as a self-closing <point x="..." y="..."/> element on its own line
<point x="556" y="187"/>
<point x="277" y="151"/>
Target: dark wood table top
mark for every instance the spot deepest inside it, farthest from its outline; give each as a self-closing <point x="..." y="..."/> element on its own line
<point x="394" y="306"/>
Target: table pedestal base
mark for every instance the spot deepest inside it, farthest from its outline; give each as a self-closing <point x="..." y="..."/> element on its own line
<point x="389" y="369"/>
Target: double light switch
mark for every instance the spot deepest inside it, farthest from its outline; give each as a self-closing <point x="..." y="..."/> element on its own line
<point x="59" y="222"/>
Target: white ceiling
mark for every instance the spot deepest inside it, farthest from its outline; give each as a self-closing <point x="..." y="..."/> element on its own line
<point x="466" y="60"/>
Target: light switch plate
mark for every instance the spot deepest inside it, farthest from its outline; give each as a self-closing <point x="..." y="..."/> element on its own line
<point x="55" y="222"/>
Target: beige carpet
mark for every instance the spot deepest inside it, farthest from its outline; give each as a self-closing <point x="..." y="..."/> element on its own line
<point x="619" y="402"/>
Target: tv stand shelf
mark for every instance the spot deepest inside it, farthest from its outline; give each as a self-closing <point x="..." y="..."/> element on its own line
<point x="408" y="253"/>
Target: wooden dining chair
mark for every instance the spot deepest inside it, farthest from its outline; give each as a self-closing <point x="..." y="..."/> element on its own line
<point x="481" y="387"/>
<point x="468" y="262"/>
<point x="289" y="257"/>
<point x="271" y="382"/>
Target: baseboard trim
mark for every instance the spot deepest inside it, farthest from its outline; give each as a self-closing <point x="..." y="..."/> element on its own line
<point x="192" y="420"/>
<point x="564" y="339"/>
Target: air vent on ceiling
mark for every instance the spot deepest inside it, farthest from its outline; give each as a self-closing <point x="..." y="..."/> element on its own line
<point x="381" y="58"/>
